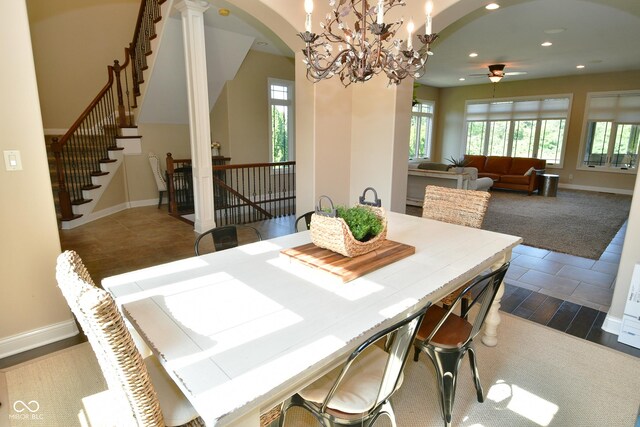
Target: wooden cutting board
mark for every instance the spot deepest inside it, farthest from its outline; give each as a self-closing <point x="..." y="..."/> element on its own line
<point x="345" y="268"/>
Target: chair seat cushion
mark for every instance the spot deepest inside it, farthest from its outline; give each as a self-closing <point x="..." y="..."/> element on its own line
<point x="176" y="409"/>
<point x="359" y="389"/>
<point x="452" y="334"/>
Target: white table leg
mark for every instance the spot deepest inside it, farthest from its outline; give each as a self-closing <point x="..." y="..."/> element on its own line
<point x="490" y="336"/>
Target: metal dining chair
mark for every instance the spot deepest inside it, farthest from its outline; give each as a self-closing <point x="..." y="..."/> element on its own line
<point x="225" y="237"/>
<point x="359" y="392"/>
<point x="446" y="337"/>
<point x="307" y="221"/>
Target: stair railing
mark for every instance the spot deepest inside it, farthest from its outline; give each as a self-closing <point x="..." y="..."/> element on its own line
<point x="242" y="193"/>
<point x="87" y="143"/>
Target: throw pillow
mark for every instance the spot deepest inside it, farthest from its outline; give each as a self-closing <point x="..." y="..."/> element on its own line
<point x="530" y="171"/>
<point x="433" y="166"/>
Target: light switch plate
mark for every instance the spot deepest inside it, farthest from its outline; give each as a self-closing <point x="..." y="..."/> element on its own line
<point x="12" y="160"/>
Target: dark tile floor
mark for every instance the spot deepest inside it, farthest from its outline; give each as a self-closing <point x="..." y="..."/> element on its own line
<point x="577" y="320"/>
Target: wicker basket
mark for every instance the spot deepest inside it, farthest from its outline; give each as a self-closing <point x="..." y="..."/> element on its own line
<point x="330" y="232"/>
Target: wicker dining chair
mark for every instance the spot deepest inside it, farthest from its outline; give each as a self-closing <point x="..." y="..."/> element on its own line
<point x="446" y="337"/>
<point x="140" y="384"/>
<point x="455" y="206"/>
<point x="462" y="207"/>
<point x="158" y="175"/>
<point x="130" y="378"/>
<point x="359" y="392"/>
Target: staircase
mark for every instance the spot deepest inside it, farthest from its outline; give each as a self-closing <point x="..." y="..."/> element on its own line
<point x="83" y="161"/>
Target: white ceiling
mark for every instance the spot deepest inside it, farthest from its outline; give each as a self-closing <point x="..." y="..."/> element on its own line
<point x="240" y="22"/>
<point x="603" y="35"/>
<point x="166" y="99"/>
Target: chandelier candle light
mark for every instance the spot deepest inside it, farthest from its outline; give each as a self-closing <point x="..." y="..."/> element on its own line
<point x="365" y="48"/>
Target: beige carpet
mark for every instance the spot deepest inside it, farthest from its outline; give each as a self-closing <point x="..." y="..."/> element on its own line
<point x="580" y="223"/>
<point x="536" y="376"/>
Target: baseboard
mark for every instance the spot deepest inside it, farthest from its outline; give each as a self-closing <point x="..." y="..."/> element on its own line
<point x="598" y="189"/>
<point x="148" y="202"/>
<point x="86" y="218"/>
<point x="612" y="325"/>
<point x="37" y="337"/>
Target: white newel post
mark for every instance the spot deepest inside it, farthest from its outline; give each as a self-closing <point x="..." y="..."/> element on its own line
<point x="198" y="95"/>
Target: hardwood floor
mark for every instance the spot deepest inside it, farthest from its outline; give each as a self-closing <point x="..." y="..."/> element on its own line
<point x="573" y="319"/>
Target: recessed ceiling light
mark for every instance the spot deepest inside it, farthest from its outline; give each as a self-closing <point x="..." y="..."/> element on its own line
<point x="473" y="55"/>
<point x="546" y="44"/>
<point x="580" y="66"/>
<point x="462" y="79"/>
<point x="492" y="6"/>
<point x="555" y="30"/>
<point x="224" y="12"/>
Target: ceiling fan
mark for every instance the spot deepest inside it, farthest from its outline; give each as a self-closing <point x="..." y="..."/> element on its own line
<point x="496" y="73"/>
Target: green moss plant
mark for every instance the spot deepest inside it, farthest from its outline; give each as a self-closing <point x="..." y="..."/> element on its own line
<point x="363" y="222"/>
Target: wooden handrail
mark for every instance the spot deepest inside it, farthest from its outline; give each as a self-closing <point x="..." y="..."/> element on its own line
<point x="252" y="165"/>
<point x="241" y="192"/>
<point x="101" y="114"/>
<point x="63" y="140"/>
<point x="254" y="205"/>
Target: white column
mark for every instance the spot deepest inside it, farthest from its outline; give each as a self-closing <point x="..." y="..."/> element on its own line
<point x="198" y="95"/>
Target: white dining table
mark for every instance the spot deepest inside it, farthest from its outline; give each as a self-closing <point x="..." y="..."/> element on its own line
<point x="241" y="330"/>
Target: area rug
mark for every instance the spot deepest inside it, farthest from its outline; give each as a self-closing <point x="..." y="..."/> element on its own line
<point x="536" y="376"/>
<point x="580" y="223"/>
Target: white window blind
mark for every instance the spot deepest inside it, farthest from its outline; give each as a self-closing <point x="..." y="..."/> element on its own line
<point x="529" y="109"/>
<point x="620" y="108"/>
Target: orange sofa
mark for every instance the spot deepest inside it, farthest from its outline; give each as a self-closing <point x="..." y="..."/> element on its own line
<point x="512" y="173"/>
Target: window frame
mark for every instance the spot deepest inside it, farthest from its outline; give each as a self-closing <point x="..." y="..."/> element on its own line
<point x="429" y="137"/>
<point x="613" y="132"/>
<point x="290" y="103"/>
<point x="512" y="121"/>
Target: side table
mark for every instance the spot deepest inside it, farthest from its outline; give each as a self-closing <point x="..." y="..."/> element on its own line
<point x="549" y="185"/>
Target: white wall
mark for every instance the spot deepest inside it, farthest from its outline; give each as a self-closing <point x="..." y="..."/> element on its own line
<point x="30" y="301"/>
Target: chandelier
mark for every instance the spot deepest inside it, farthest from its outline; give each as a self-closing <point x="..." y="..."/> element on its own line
<point x="357" y="51"/>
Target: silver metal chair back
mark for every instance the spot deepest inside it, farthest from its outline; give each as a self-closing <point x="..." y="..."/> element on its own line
<point x="399" y="339"/>
<point x="446" y="337"/>
<point x="224" y="237"/>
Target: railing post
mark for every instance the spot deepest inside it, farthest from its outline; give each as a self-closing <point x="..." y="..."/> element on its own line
<point x="171" y="191"/>
<point x="66" y="211"/>
<point x="122" y="117"/>
<point x="134" y="70"/>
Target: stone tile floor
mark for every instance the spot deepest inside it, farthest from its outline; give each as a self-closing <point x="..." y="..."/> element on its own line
<point x="578" y="280"/>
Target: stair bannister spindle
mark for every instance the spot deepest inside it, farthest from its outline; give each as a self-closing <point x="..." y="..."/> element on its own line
<point x="63" y="194"/>
<point x="121" y="110"/>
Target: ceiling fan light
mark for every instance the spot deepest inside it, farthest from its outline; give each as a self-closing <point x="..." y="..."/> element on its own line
<point x="495" y="79"/>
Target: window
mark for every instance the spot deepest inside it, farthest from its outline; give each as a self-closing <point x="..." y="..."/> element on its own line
<point x="281" y="112"/>
<point x="421" y="130"/>
<point x="612" y="131"/>
<point x="522" y="127"/>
